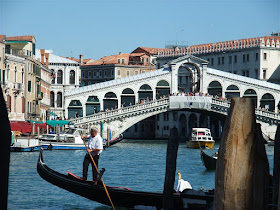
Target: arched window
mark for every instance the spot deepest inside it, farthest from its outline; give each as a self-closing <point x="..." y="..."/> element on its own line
<point x="52" y="98"/>
<point x="72" y="77"/>
<point x="59" y="99"/>
<point x="59" y="77"/>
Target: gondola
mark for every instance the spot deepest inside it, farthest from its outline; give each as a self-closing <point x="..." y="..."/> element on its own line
<point x="123" y="197"/>
<point x="208" y="161"/>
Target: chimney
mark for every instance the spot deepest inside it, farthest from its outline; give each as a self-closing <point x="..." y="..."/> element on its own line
<point x="81" y="59"/>
<point x="42" y="56"/>
<point x="47" y="59"/>
<point x="120" y="53"/>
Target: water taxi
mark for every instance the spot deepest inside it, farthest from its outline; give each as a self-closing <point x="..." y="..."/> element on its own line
<point x="200" y="138"/>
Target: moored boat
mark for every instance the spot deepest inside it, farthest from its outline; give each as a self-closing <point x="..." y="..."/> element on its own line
<point x="200" y="138"/>
<point x="123" y="197"/>
<point x="22" y="144"/>
<point x="208" y="161"/>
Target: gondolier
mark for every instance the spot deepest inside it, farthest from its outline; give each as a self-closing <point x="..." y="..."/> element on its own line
<point x="95" y="147"/>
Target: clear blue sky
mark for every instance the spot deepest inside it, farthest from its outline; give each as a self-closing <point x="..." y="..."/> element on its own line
<point x="96" y="28"/>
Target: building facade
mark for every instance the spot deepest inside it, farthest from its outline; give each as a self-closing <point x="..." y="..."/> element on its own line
<point x="114" y="67"/>
<point x="65" y="76"/>
<point x="254" y="57"/>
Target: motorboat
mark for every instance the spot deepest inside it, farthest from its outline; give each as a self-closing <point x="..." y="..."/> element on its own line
<point x="200" y="138"/>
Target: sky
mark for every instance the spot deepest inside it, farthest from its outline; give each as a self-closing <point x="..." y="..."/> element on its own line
<point x="96" y="28"/>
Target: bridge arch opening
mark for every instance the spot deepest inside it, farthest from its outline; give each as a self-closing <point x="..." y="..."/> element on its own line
<point x="250" y="93"/>
<point x="185" y="79"/>
<point x="192" y="122"/>
<point x="127" y="97"/>
<point x="110" y="101"/>
<point x="182" y="126"/>
<point x="232" y="91"/>
<point x="92" y="105"/>
<point x="268" y="102"/>
<point x="162" y="89"/>
<point x="145" y="92"/>
<point x="215" y="88"/>
<point x="75" y="109"/>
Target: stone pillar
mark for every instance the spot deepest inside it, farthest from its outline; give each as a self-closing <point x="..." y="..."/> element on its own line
<point x="174" y="78"/>
<point x="119" y="102"/>
<point x="136" y="98"/>
<point x="202" y="74"/>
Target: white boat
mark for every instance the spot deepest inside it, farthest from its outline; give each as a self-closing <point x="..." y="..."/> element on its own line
<point x="70" y="139"/>
<point x="25" y="144"/>
<point x="200" y="138"/>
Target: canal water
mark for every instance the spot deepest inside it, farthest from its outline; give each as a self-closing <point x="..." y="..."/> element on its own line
<point x="136" y="164"/>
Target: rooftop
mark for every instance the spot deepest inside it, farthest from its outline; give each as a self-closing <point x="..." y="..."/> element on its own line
<point x="54" y="58"/>
<point x="20" y="38"/>
<point x="131" y="79"/>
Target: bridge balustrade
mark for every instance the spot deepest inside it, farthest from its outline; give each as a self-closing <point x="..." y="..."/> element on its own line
<point x="218" y="105"/>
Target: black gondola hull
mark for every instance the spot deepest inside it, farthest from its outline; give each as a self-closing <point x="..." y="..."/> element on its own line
<point x="208" y="161"/>
<point x="121" y="197"/>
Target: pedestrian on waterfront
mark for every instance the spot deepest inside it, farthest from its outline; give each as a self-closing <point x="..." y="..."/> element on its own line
<point x="95" y="147"/>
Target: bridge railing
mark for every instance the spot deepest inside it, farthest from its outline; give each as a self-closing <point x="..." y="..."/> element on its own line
<point x="121" y="111"/>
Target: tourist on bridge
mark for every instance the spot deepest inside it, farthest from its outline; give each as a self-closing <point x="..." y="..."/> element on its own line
<point x="95" y="147"/>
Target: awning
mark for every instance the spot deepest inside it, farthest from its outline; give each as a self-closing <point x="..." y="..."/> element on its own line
<point x="53" y="114"/>
<point x="36" y="122"/>
<point x="54" y="123"/>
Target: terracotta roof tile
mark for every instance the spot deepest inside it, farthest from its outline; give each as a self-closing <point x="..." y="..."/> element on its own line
<point x="149" y="50"/>
<point x="112" y="59"/>
<point x="20" y="38"/>
<point x="2" y="37"/>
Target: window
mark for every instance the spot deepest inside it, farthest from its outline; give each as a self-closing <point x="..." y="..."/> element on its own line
<point x="72" y="77"/>
<point x="212" y="61"/>
<point x="230" y="60"/>
<point x="29" y="86"/>
<point x="94" y="73"/>
<point x="244" y="58"/>
<point x="83" y="74"/>
<point x="142" y="60"/>
<point x="52" y="99"/>
<point x="248" y="57"/>
<point x="235" y="59"/>
<point x="219" y="60"/>
<point x="264" y="73"/>
<point x="59" y="99"/>
<point x="243" y="73"/>
<point x="127" y="73"/>
<point x="119" y="72"/>
<point x="247" y="73"/>
<point x="264" y="56"/>
<point x="89" y="82"/>
<point x="119" y="60"/>
<point x="112" y="73"/>
<point x="158" y="117"/>
<point x="136" y="72"/>
<point x="100" y="73"/>
<point x="105" y="73"/>
<point x="123" y="60"/>
<point x="89" y="74"/>
<point x="59" y="77"/>
<point x="257" y="56"/>
<point x="166" y="116"/>
<point x="147" y="60"/>
<point x="256" y="73"/>
<point x="223" y="60"/>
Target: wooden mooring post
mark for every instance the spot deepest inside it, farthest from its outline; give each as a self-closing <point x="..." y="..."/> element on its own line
<point x="171" y="158"/>
<point x="276" y="168"/>
<point x="242" y="173"/>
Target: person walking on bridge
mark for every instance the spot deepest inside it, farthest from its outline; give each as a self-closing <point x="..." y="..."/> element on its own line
<point x="95" y="147"/>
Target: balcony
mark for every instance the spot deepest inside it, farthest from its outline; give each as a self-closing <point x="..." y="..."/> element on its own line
<point x="18" y="52"/>
<point x="17" y="87"/>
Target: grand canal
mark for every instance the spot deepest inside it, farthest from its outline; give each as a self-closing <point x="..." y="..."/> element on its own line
<point x="137" y="164"/>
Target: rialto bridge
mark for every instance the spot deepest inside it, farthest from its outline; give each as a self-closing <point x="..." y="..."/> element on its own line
<point x="119" y="104"/>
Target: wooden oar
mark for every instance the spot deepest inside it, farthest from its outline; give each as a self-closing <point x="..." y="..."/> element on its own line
<point x="105" y="188"/>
